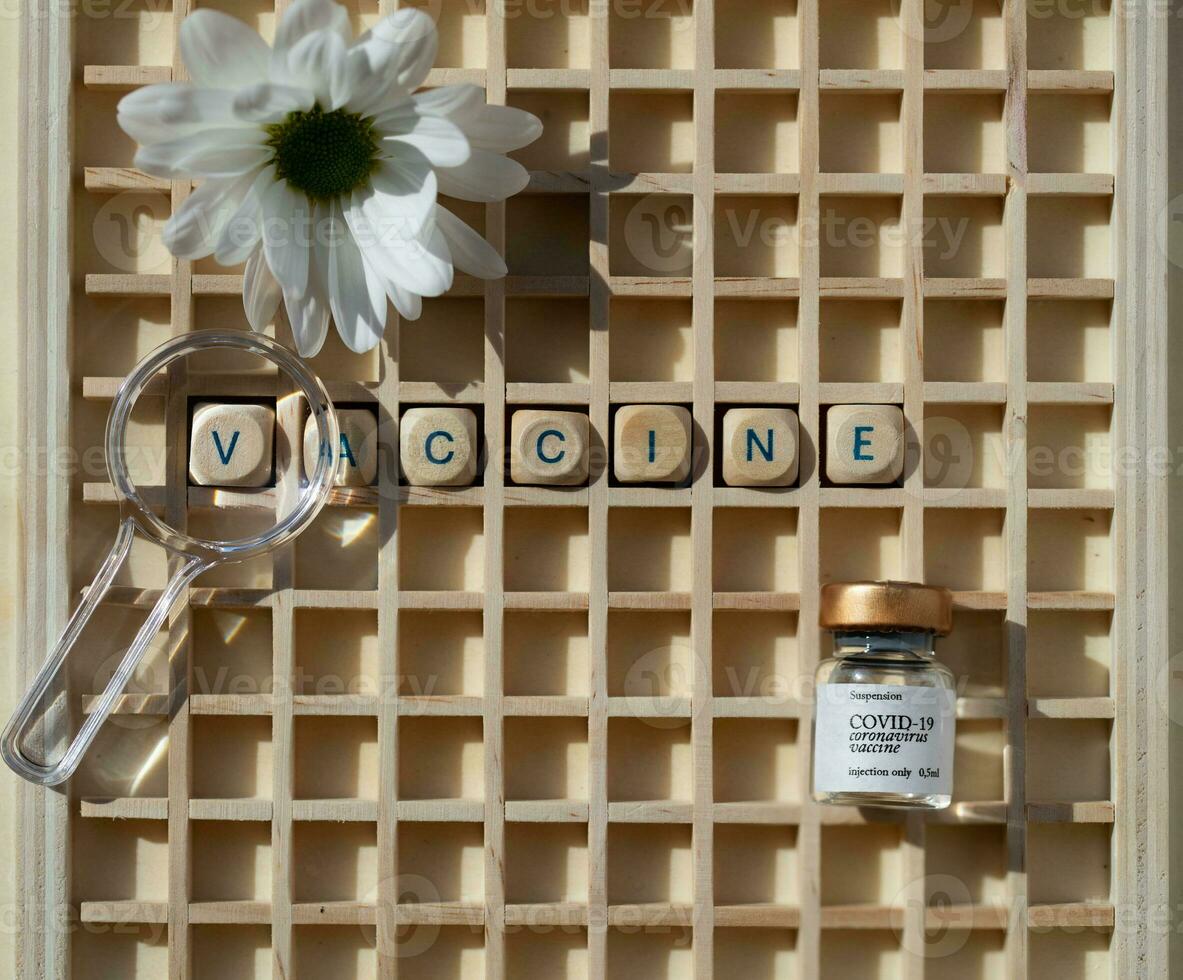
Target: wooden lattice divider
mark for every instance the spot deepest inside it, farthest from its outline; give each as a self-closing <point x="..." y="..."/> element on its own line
<point x="912" y="21"/>
<point x="386" y="927"/>
<point x="495" y="757"/>
<point x="1014" y="396"/>
<point x="1014" y="433"/>
<point x="599" y="316"/>
<point x="180" y="729"/>
<point x="702" y="502"/>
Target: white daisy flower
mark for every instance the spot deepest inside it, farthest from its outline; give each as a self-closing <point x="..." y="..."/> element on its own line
<point x="321" y="165"/>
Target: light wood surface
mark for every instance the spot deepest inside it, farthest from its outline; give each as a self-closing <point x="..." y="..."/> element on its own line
<point x="496" y="709"/>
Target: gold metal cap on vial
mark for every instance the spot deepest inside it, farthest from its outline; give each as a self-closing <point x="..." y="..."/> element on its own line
<point x="891" y="606"/>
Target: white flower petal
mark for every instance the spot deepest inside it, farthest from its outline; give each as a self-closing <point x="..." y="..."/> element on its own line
<point x="308" y="314"/>
<point x="318" y="61"/>
<point x="208" y="153"/>
<point x="436" y="138"/>
<point x="286" y="237"/>
<point x="221" y="51"/>
<point x="309" y="317"/>
<point x="502" y="128"/>
<point x="453" y="101"/>
<point x="485" y="177"/>
<point x="190" y="233"/>
<point x="260" y="292"/>
<point x="420" y="265"/>
<point x="356" y="298"/>
<point x="470" y="252"/>
<point x="408" y="304"/>
<point x="268" y="102"/>
<point x="172" y="110"/>
<point x="488" y="127"/>
<point x="402" y="194"/>
<point x="391" y="60"/>
<point x="301" y="19"/>
<point x="240" y="235"/>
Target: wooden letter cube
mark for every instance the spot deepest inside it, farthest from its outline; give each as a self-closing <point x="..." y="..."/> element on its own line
<point x="438" y="447"/>
<point x="652" y="444"/>
<point x="864" y="444"/>
<point x="357" y="455"/>
<point x="760" y="447"/>
<point x="231" y="445"/>
<point x="549" y="448"/>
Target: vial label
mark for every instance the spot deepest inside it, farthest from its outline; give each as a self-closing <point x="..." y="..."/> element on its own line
<point x="884" y="738"/>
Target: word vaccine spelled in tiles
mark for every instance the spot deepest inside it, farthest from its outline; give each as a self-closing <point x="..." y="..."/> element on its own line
<point x="232" y="445"/>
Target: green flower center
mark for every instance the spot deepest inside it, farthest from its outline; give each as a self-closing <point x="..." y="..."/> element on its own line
<point x="324" y="154"/>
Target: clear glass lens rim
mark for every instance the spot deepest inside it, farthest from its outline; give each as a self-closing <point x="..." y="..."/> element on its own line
<point x="313" y="495"/>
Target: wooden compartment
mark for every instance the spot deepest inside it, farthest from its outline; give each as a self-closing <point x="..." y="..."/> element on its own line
<point x="231" y="951"/>
<point x="860" y="34"/>
<point x="756" y="654"/>
<point x="756" y="237"/>
<point x="656" y="132"/>
<point x="757" y="34"/>
<point x="860" y="340"/>
<point x="548" y="34"/>
<point x="545" y="862"/>
<point x="546" y="550"/>
<point x="860" y="133"/>
<point x="861" y="237"/>
<point x="651" y="340"/>
<point x="964" y="133"/>
<point x="650" y="863"/>
<point x="965" y="340"/>
<point x="546" y="339"/>
<point x="966" y="37"/>
<point x="756" y="340"/>
<point x="443" y="861"/>
<point x="871" y="870"/>
<point x="756" y="133"/>
<point x="545" y="653"/>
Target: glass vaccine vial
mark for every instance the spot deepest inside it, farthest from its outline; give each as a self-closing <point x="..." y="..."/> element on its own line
<point x="884" y="719"/>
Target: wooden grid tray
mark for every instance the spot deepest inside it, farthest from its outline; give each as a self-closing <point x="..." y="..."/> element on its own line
<point x="460" y="779"/>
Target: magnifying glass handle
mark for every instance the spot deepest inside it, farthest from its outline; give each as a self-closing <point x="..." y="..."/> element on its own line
<point x="26" y="714"/>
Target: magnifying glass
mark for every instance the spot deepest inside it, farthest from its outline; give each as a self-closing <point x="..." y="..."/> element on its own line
<point x="197" y="554"/>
